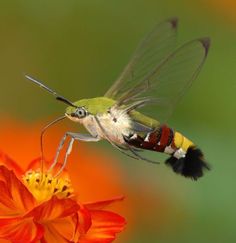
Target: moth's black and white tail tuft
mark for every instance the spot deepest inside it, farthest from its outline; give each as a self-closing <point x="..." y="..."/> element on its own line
<point x="192" y="165"/>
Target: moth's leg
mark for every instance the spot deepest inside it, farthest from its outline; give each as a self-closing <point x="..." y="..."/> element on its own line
<point x="84" y="137"/>
<point x="135" y="154"/>
<point x="123" y="150"/>
<point x="79" y="137"/>
<point x="68" y="151"/>
<point x="59" y="148"/>
<point x="74" y="136"/>
<point x="141" y="157"/>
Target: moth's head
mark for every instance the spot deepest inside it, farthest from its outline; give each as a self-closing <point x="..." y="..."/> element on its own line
<point x="77" y="112"/>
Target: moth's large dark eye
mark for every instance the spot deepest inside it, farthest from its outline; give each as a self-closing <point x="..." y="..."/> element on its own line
<point x="80" y="112"/>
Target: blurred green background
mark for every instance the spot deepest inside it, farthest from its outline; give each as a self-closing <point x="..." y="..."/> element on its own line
<point x="80" y="47"/>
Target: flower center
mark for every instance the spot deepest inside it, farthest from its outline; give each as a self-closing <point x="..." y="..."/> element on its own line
<point x="43" y="186"/>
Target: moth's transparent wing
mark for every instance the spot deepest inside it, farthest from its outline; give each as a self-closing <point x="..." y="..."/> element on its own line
<point x="166" y="83"/>
<point x="155" y="47"/>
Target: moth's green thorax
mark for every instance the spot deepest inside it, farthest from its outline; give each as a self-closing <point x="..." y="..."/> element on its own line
<point x="101" y="105"/>
<point x="94" y="106"/>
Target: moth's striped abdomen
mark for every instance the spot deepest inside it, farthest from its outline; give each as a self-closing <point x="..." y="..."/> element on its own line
<point x="185" y="159"/>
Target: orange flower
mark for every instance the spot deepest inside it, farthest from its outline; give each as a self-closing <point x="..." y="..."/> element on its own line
<point x="42" y="208"/>
<point x="85" y="165"/>
<point x="29" y="212"/>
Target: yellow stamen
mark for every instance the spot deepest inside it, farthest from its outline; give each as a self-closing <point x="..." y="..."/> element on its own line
<point x="44" y="186"/>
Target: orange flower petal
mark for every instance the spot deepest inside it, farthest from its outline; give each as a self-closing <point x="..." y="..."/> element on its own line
<point x="85" y="220"/>
<point x="14" y="194"/>
<point x="102" y="204"/>
<point x="7" y="206"/>
<point x="33" y="165"/>
<point x="52" y="235"/>
<point x="53" y="209"/>
<point x="10" y="164"/>
<point x="61" y="230"/>
<point x="20" y="230"/>
<point x="104" y="227"/>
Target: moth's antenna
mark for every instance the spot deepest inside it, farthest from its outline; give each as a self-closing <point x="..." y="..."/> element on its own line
<point x="41" y="137"/>
<point x="58" y="97"/>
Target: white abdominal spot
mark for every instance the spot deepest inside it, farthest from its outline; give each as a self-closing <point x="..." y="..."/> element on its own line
<point x="169" y="150"/>
<point x="180" y="153"/>
<point x="147" y="138"/>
